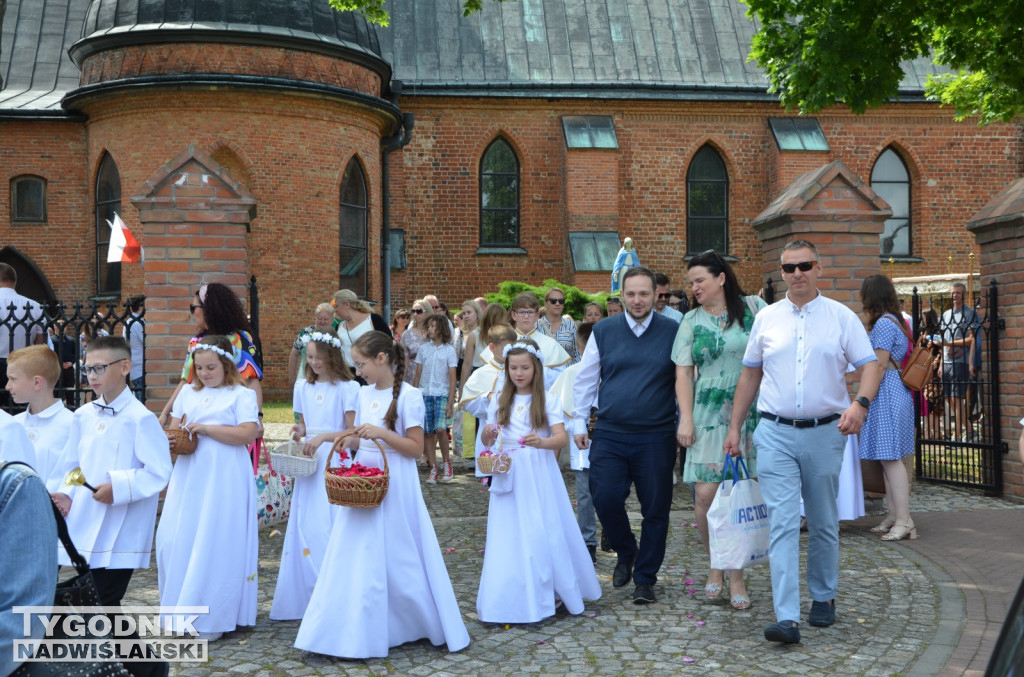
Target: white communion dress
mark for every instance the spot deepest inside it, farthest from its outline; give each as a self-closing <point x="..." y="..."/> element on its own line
<point x="534" y="553"/>
<point x="323" y="406"/>
<point x="383" y="581"/>
<point x="207" y="543"/>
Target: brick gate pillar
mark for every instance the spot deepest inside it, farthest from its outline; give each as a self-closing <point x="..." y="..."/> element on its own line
<point x="841" y="215"/>
<point x="999" y="231"/>
<point x="195" y="217"/>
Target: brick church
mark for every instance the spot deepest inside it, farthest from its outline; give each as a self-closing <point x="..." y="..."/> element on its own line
<point x="283" y="140"/>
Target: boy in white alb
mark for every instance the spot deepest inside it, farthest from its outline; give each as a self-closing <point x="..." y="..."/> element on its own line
<point x="31" y="374"/>
<point x="488" y="379"/>
<point x="124" y="454"/>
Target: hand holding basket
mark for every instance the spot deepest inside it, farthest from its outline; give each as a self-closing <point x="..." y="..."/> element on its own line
<point x="355" y="491"/>
<point x="185" y="441"/>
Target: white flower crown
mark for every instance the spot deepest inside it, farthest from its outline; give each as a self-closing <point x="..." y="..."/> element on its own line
<point x="524" y="346"/>
<point x="215" y="349"/>
<point x="322" y="338"/>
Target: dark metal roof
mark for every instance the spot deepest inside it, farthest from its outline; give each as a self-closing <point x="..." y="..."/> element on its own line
<point x="679" y="49"/>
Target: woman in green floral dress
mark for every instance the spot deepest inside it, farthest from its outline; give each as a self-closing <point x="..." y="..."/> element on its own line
<point x="711" y="341"/>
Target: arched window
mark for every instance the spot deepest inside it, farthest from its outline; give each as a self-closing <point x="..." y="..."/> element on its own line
<point x="353" y="230"/>
<point x="108" y="203"/>
<point x="28" y="199"/>
<point x="707" y="203"/>
<point x="891" y="180"/>
<point x="499" y="196"/>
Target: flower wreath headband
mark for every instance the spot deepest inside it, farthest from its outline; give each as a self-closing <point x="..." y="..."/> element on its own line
<point x="217" y="350"/>
<point x="333" y="341"/>
<point x="524" y="346"/>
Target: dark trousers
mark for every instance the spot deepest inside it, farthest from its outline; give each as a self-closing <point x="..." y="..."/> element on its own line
<point x="618" y="460"/>
<point x="112" y="585"/>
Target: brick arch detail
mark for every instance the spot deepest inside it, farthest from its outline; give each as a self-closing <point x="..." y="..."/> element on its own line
<point x="905" y="152"/>
<point x="24" y="170"/>
<point x="488" y="137"/>
<point x="249" y="179"/>
<point x="367" y="177"/>
<point x="719" y="147"/>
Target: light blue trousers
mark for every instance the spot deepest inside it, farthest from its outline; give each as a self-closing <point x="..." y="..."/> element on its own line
<point x="792" y="462"/>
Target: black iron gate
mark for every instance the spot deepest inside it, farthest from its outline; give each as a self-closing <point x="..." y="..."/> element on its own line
<point x="957" y="415"/>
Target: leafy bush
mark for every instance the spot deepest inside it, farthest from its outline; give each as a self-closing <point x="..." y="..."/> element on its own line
<point x="576" y="299"/>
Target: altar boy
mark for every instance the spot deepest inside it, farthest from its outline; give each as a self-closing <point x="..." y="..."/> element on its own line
<point x="123" y="454"/>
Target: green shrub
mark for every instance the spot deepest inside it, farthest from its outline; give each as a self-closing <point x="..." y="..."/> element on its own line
<point x="576" y="299"/>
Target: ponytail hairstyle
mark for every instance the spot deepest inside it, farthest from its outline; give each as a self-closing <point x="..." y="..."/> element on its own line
<point x="372" y="344"/>
<point x="334" y="359"/>
<point x="221" y="347"/>
<point x="538" y="410"/>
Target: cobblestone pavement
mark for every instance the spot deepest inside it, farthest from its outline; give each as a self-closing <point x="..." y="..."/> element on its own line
<point x="888" y="610"/>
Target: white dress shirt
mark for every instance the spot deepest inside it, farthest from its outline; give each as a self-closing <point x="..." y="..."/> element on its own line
<point x="805" y="353"/>
<point x="671" y="313"/>
<point x="23" y="336"/>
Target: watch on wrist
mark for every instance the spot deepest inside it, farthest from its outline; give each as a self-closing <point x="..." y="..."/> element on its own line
<point x="863" y="401"/>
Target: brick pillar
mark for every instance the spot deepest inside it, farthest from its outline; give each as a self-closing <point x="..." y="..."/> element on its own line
<point x="195" y="218"/>
<point x="998" y="229"/>
<point x="841" y="215"/>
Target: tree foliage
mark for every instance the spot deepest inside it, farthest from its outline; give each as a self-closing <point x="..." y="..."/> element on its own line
<point x="816" y="53"/>
<point x="576" y="299"/>
<point x="374" y="10"/>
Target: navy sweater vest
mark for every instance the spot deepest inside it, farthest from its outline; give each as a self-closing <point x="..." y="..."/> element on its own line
<point x="637" y="391"/>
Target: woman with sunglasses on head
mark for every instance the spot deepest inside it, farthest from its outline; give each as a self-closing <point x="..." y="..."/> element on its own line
<point x="415" y="334"/>
<point x="216" y="311"/>
<point x="560" y="327"/>
<point x="712" y="339"/>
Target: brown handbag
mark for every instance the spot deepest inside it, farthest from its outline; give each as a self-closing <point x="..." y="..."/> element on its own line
<point x="919" y="370"/>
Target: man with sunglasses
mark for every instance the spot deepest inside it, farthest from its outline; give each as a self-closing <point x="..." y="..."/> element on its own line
<point x="798" y="354"/>
<point x="662" y="294"/>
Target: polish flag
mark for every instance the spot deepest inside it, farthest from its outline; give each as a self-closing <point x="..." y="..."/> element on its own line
<point x="124" y="248"/>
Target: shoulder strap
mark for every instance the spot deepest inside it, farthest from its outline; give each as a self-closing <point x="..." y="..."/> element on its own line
<point x="910" y="340"/>
<point x="81" y="566"/>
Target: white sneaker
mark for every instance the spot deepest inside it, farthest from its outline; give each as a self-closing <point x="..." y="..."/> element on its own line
<point x="432" y="477"/>
<point x="448" y="473"/>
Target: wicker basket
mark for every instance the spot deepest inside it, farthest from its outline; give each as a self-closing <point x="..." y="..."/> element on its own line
<point x="356" y="492"/>
<point x="495" y="464"/>
<point x="289" y="460"/>
<point x="185" y="441"/>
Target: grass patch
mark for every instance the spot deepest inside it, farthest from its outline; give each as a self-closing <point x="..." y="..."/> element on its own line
<point x="278" y="412"/>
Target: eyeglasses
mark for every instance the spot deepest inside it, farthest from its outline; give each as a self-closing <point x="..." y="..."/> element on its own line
<point x="192" y="307"/>
<point x="417" y="311"/>
<point x="674" y="305"/>
<point x="525" y="312"/>
<point x="359" y="365"/>
<point x="804" y="266"/>
<point x="557" y="302"/>
<point x="100" y="369"/>
<point x="664" y="296"/>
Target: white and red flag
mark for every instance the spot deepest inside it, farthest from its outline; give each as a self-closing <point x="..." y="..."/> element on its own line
<point x="124" y="248"/>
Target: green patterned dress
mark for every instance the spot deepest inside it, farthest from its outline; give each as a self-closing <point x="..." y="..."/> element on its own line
<point x="716" y="355"/>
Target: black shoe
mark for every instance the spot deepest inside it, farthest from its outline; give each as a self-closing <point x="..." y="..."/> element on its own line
<point x="604" y="543"/>
<point x="823" y="614"/>
<point x="643" y="594"/>
<point x="786" y="632"/>
<point x="623" y="571"/>
<point x="592" y="549"/>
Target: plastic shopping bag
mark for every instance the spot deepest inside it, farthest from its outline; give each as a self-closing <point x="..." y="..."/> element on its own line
<point x="738" y="521"/>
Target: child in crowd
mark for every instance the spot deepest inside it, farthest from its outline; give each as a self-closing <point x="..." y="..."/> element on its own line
<point x="474" y="348"/>
<point x="383" y="581"/>
<point x="435" y="376"/>
<point x="123" y="453"/>
<point x="325" y="402"/>
<point x="206" y="546"/>
<point x="488" y="380"/>
<point x="593" y="313"/>
<point x="525" y="307"/>
<point x="529" y="571"/>
<point x="32" y="373"/>
<point x="579" y="459"/>
<point x="614" y="305"/>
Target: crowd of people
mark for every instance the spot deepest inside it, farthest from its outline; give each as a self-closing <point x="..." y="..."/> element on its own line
<point x="624" y="390"/>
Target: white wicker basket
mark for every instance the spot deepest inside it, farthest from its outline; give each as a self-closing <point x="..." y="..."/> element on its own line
<point x="289" y="461"/>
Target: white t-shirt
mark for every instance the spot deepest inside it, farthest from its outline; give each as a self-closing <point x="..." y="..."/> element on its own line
<point x="436" y="361"/>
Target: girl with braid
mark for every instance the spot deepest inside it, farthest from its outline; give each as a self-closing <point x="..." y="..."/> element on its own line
<point x="383" y="581"/>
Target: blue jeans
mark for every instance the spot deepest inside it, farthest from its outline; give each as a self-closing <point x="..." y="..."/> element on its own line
<point x="645" y="460"/>
<point x="138" y="390"/>
<point x="585" y="515"/>
<point x="792" y="462"/>
<point x="28" y="558"/>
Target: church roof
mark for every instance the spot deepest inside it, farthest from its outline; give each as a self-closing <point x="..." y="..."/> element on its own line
<point x="588" y="48"/>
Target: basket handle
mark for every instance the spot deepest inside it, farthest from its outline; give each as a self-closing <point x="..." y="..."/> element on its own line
<point x="349" y="433"/>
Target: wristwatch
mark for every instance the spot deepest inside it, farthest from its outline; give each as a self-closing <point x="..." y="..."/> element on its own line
<point x="863" y="401"/>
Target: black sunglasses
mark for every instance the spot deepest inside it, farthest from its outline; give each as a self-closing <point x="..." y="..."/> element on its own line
<point x="192" y="307"/>
<point x="417" y="311"/>
<point x="665" y="296"/>
<point x="614" y="299"/>
<point x="804" y="266"/>
<point x="557" y="302"/>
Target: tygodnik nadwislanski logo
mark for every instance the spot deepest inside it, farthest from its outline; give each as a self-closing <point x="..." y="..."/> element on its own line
<point x="124" y="634"/>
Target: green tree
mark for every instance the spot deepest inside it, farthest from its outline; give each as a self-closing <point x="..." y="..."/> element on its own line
<point x="374" y="10"/>
<point x="816" y="53"/>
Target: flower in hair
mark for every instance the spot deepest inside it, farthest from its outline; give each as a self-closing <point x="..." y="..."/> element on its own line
<point x="215" y="349"/>
<point x="333" y="341"/>
<point x="520" y="346"/>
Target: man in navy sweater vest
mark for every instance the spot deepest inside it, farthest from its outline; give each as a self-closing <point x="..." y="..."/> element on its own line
<point x="627" y="369"/>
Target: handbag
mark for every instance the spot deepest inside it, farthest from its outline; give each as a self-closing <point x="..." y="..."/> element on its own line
<point x="917" y="371"/>
<point x="273" y="490"/>
<point x="738" y="533"/>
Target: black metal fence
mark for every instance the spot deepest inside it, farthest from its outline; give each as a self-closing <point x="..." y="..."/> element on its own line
<point x="68" y="332"/>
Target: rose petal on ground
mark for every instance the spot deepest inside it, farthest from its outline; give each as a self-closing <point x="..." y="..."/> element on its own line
<point x="275" y="532"/>
<point x="687" y="659"/>
<point x="305" y="552"/>
<point x="700" y="623"/>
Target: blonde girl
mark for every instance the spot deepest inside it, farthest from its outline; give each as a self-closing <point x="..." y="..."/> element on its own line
<point x="383" y="581"/>
<point x="324" y="402"/>
<point x="529" y="572"/>
<point x="206" y="544"/>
